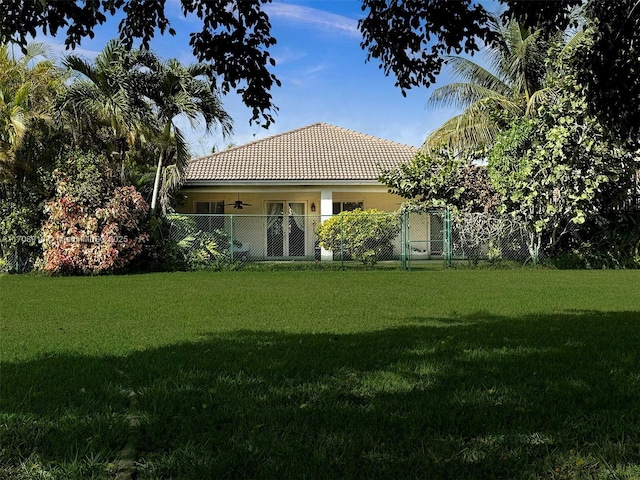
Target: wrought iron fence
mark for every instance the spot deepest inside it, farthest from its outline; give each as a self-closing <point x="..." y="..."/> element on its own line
<point x="405" y="240"/>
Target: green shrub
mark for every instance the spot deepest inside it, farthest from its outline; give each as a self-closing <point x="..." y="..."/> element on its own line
<point x="364" y="235"/>
<point x="610" y="241"/>
<point x="198" y="249"/>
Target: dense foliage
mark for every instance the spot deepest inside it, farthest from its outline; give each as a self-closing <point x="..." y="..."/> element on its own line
<point x="560" y="168"/>
<point x="92" y="226"/>
<point x="197" y="249"/>
<point x="607" y="65"/>
<point x="234" y="36"/>
<point x="30" y="139"/>
<point x="509" y="83"/>
<point x="119" y="110"/>
<point x="553" y="164"/>
<point x="364" y="235"/>
<point x="442" y="180"/>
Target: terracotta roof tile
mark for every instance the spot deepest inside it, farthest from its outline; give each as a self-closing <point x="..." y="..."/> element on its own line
<point x="316" y="152"/>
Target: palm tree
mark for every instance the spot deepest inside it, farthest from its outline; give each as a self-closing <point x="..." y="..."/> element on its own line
<point x="136" y="95"/>
<point x="107" y="93"/>
<point x="28" y="88"/>
<point x="181" y="91"/>
<point x="512" y="85"/>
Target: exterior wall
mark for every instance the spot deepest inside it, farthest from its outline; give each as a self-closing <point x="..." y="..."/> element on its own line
<point x="250" y="224"/>
<point x="372" y="197"/>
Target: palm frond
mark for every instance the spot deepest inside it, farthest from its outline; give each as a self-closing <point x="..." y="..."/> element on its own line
<point x="35" y="50"/>
<point x="460" y="95"/>
<point x="544" y="96"/>
<point x="473" y="129"/>
<point x="514" y="84"/>
<point x="572" y="43"/>
<point x="462" y="133"/>
<point x="471" y="72"/>
<point x="80" y="66"/>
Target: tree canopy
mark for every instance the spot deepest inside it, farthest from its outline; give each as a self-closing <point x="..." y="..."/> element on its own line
<point x="410" y="38"/>
<point x="512" y="84"/>
<point x="234" y="36"/>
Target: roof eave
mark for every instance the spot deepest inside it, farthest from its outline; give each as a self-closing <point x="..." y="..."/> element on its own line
<point x="328" y="181"/>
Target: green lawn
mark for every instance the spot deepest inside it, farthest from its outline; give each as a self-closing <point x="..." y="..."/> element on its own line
<point x="461" y="374"/>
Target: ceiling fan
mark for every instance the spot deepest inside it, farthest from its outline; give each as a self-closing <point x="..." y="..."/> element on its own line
<point x="238" y="204"/>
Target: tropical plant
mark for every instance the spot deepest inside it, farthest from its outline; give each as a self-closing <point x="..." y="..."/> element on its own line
<point x="109" y="94"/>
<point x="138" y="97"/>
<point x="511" y="86"/>
<point x="29" y="142"/>
<point x="442" y="180"/>
<point x="180" y="91"/>
<point x="29" y="85"/>
<point x="197" y="249"/>
<point x="607" y="241"/>
<point x="364" y="235"/>
<point x="92" y="226"/>
<point x="560" y="168"/>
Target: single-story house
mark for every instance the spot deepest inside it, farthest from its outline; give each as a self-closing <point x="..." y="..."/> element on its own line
<point x="285" y="184"/>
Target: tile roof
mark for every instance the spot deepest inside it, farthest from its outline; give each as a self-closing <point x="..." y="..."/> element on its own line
<point x="317" y="152"/>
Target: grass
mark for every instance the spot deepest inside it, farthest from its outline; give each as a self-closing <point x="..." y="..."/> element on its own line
<point x="467" y="374"/>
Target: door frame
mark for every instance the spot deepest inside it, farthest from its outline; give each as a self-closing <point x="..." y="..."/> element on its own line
<point x="285" y="237"/>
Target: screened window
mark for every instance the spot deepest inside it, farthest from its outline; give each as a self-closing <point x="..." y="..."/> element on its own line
<point x="210" y="207"/>
<point x="213" y="223"/>
<point x="346" y="206"/>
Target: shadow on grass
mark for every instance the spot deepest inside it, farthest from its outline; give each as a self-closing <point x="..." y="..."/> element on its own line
<point x="550" y="396"/>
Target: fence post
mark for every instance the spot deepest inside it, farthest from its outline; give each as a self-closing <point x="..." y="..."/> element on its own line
<point x="447" y="237"/>
<point x="404" y="236"/>
<point x="231" y="238"/>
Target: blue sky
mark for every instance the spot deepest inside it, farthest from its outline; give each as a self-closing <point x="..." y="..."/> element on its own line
<point x="323" y="71"/>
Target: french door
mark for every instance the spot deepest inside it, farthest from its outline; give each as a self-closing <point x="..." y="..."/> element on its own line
<point x="286" y="229"/>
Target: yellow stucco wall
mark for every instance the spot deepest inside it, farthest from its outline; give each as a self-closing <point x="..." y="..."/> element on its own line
<point x="380" y="200"/>
<point x="250" y="225"/>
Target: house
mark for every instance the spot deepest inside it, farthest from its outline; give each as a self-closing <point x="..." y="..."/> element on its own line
<point x="278" y="188"/>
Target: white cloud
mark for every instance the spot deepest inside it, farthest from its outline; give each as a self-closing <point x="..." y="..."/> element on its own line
<point x="59" y="51"/>
<point x="285" y="55"/>
<point x="324" y="21"/>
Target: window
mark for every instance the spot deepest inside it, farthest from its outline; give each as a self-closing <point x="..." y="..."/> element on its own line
<point x="217" y="208"/>
<point x="210" y="207"/>
<point x="346" y="206"/>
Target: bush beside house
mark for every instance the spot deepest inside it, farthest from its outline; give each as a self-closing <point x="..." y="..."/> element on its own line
<point x="364" y="235"/>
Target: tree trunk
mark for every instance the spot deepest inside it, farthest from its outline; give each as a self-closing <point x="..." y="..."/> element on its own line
<point x="156" y="185"/>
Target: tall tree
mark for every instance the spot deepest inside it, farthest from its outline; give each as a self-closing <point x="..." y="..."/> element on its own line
<point x="560" y="168"/>
<point x="108" y="93"/>
<point x="28" y="88"/>
<point x="409" y="37"/>
<point x="607" y="65"/>
<point x="511" y="86"/>
<point x="29" y="142"/>
<point x="179" y="90"/>
<point x="234" y="36"/>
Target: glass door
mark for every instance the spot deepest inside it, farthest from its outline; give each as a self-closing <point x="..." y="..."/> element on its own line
<point x="296" y="231"/>
<point x="286" y="232"/>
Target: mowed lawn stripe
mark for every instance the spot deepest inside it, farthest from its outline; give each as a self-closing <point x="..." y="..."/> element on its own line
<point x="116" y="314"/>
